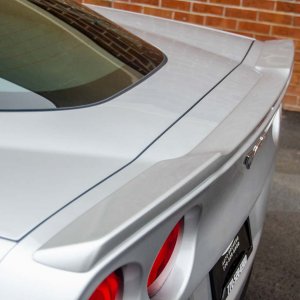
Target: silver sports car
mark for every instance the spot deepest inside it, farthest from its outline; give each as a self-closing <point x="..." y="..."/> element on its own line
<point x="135" y="158"/>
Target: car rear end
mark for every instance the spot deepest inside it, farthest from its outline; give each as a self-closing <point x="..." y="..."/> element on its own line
<point x="188" y="227"/>
<point x="184" y="218"/>
<point x="217" y="193"/>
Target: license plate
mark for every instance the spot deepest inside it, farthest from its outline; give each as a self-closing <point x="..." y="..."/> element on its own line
<point x="226" y="272"/>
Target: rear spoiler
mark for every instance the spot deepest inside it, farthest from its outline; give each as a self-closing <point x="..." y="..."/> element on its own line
<point x="271" y="64"/>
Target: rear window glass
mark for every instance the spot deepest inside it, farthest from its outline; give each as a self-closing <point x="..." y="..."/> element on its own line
<point x="60" y="54"/>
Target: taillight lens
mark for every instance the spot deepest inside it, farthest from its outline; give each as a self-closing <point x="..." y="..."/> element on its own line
<point x="109" y="289"/>
<point x="159" y="272"/>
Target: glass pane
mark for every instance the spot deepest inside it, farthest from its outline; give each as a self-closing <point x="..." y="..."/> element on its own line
<point x="67" y="54"/>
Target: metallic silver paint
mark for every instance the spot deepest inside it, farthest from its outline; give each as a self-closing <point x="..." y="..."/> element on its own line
<point x="124" y="220"/>
<point x="88" y="145"/>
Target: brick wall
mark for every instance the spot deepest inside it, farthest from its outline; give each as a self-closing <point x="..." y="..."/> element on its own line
<point x="261" y="19"/>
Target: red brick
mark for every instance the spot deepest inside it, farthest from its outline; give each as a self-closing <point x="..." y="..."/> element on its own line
<point x="289" y="32"/>
<point x="297" y="44"/>
<point x="297" y="56"/>
<point x="289" y="7"/>
<point x="176" y="4"/>
<point x="221" y="22"/>
<point x="296" y="68"/>
<point x="208" y="9"/>
<point x="262" y="37"/>
<point x="230" y="2"/>
<point x="99" y="2"/>
<point x="149" y="2"/>
<point x="240" y="13"/>
<point x="290" y="100"/>
<point x="248" y="34"/>
<point x="263" y="4"/>
<point x="254" y="27"/>
<point x="293" y="90"/>
<point x="127" y="6"/>
<point x="297" y="21"/>
<point x="275" y="18"/>
<point x="163" y="13"/>
<point x="295" y="79"/>
<point x="186" y="17"/>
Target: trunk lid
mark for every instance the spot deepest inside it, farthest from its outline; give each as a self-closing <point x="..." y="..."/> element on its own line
<point x="50" y="158"/>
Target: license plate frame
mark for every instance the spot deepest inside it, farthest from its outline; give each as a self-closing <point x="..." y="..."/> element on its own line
<point x="226" y="272"/>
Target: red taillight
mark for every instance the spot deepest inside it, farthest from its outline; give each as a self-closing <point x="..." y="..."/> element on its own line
<point x="109" y="289"/>
<point x="162" y="259"/>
